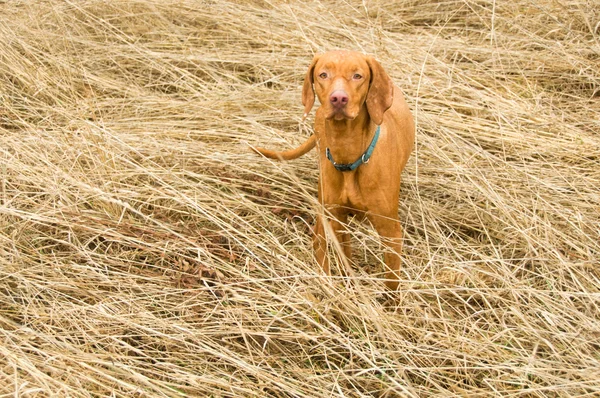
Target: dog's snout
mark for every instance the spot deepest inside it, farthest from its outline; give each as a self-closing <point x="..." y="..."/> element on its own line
<point x="338" y="98"/>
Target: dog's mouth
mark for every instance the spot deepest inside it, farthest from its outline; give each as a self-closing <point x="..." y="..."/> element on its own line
<point x="340" y="114"/>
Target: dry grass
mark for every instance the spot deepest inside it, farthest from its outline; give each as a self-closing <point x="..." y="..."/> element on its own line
<point x="145" y="252"/>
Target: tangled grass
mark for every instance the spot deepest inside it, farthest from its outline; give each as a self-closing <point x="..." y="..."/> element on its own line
<point x="145" y="252"/>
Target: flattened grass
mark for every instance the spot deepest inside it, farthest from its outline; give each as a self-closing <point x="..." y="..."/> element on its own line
<point x="144" y="251"/>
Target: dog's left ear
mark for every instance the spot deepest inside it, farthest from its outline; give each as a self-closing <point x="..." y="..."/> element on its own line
<point x="381" y="91"/>
<point x="308" y="93"/>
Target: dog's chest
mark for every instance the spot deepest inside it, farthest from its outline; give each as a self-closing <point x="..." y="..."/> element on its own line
<point x="350" y="194"/>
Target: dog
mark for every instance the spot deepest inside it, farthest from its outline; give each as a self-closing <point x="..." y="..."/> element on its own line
<point x="364" y="132"/>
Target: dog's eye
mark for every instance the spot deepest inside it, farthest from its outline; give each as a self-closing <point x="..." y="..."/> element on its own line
<point x="323" y="75"/>
<point x="357" y="76"/>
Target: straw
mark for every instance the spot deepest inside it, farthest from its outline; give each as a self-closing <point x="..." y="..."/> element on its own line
<point x="146" y="252"/>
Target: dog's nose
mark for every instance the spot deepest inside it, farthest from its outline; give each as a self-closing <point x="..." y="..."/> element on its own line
<point x="338" y="98"/>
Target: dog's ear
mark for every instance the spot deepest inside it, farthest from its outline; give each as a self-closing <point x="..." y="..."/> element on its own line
<point x="308" y="92"/>
<point x="381" y="91"/>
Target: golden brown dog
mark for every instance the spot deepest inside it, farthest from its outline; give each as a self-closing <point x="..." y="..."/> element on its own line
<point x="364" y="133"/>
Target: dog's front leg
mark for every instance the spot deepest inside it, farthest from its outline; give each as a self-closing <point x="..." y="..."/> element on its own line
<point x="390" y="232"/>
<point x="320" y="239"/>
<point x="320" y="245"/>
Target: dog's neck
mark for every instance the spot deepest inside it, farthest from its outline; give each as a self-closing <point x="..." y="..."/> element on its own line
<point x="348" y="139"/>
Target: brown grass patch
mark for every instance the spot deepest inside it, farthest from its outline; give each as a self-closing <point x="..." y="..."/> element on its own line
<point x="144" y="251"/>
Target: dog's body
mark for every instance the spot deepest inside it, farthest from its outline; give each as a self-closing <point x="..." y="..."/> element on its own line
<point x="356" y="96"/>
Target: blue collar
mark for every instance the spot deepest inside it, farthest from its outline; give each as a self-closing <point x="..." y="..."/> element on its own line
<point x="363" y="159"/>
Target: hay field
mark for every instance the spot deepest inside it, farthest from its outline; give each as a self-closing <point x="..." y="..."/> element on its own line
<point x="145" y="252"/>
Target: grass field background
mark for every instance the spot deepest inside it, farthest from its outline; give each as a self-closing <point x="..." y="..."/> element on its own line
<point x="145" y="252"/>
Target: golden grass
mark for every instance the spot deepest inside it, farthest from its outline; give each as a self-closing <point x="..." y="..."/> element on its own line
<point x="144" y="251"/>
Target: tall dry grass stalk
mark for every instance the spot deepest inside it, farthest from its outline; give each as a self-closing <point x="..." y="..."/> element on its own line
<point x="145" y="252"/>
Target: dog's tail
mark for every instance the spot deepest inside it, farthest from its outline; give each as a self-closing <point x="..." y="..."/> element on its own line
<point x="292" y="153"/>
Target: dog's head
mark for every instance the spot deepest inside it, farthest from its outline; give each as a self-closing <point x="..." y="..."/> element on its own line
<point x="345" y="81"/>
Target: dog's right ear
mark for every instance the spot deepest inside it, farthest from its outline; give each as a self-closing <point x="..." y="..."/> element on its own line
<point x="308" y="92"/>
<point x="381" y="91"/>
